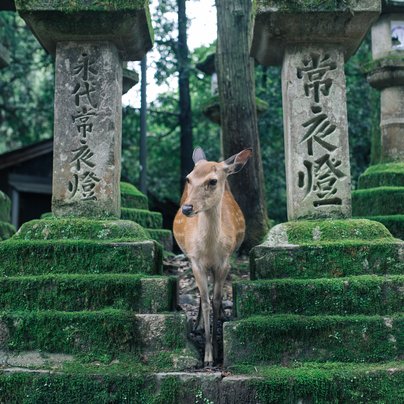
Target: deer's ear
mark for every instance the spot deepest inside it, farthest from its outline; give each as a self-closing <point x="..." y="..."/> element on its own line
<point x="198" y="155"/>
<point x="235" y="163"/>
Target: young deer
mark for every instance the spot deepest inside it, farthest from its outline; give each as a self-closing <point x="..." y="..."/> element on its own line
<point x="208" y="227"/>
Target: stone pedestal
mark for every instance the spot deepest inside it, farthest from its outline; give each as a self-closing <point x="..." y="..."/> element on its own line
<point x="279" y="323"/>
<point x="380" y="195"/>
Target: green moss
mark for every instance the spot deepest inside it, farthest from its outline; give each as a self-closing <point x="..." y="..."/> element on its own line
<point x="163" y="236"/>
<point x="356" y="295"/>
<point x="327" y="383"/>
<point x="71" y="6"/>
<point x="395" y="224"/>
<point x="327" y="260"/>
<point x="81" y="229"/>
<point x="287" y="338"/>
<point x="307" y="232"/>
<point x="88" y="292"/>
<point x="131" y="197"/>
<point x="147" y="219"/>
<point x="306" y="5"/>
<point x="391" y="61"/>
<point x="383" y="175"/>
<point x="107" y="331"/>
<point x="7" y="230"/>
<point x="378" y="201"/>
<point x="19" y="257"/>
<point x="5" y="207"/>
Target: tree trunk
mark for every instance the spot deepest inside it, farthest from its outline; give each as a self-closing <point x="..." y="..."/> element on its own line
<point x="238" y="112"/>
<point x="185" y="98"/>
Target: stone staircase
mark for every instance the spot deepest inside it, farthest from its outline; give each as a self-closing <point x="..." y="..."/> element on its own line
<point x="322" y="319"/>
<point x="135" y="207"/>
<point x="380" y="196"/>
<point x="86" y="288"/>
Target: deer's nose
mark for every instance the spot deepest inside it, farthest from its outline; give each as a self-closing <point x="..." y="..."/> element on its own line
<point x="187" y="209"/>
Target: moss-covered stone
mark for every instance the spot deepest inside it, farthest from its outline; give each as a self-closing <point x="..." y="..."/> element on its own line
<point x="318" y="383"/>
<point x="378" y="201"/>
<point x="382" y="175"/>
<point x="62" y="292"/>
<point x="281" y="339"/>
<point x="147" y="219"/>
<point x="356" y="295"/>
<point x="81" y="229"/>
<point x="131" y="197"/>
<point x="5" y="207"/>
<point x="163" y="236"/>
<point x="7" y="230"/>
<point x="38" y="257"/>
<point x="327" y="260"/>
<point x="395" y="224"/>
<point x="107" y="331"/>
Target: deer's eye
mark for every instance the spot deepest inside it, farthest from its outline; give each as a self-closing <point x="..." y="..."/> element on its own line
<point x="212" y="182"/>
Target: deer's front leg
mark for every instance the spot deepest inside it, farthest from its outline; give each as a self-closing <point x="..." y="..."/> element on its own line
<point x="219" y="279"/>
<point x="201" y="279"/>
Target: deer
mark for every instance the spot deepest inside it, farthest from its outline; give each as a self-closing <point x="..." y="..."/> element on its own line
<point x="208" y="227"/>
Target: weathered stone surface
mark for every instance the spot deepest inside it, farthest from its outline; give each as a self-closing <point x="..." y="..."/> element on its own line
<point x="279" y="24"/>
<point x="382" y="44"/>
<point x="124" y="23"/>
<point x="316" y="133"/>
<point x="88" y="116"/>
<point x="386" y="72"/>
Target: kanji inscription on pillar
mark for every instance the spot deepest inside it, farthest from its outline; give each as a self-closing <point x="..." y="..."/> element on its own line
<point x="86" y="170"/>
<point x="316" y="134"/>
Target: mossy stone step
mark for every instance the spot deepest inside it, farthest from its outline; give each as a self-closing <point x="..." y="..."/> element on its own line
<point x="75" y="292"/>
<point x="368" y="294"/>
<point x="7" y="230"/>
<point x="395" y="224"/>
<point x="327" y="260"/>
<point x="147" y="219"/>
<point x="378" y="201"/>
<point x="39" y="257"/>
<point x="163" y="236"/>
<point x="317" y="383"/>
<point x="92" y="332"/>
<point x="383" y="175"/>
<point x="281" y="339"/>
<point x="131" y="197"/>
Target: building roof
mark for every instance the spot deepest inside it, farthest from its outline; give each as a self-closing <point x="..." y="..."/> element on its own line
<point x="26" y="153"/>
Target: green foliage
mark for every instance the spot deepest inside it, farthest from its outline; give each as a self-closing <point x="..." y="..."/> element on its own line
<point x="26" y="87"/>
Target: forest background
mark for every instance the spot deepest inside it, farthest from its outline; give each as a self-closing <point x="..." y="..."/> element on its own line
<point x="26" y="112"/>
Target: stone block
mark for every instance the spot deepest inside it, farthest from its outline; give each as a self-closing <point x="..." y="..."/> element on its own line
<point x="378" y="201"/>
<point x="88" y="118"/>
<point x="283" y="339"/>
<point x="163" y="236"/>
<point x="327" y="249"/>
<point x="382" y="175"/>
<point x="123" y="23"/>
<point x="97" y="332"/>
<point x="280" y="24"/>
<point x="136" y="293"/>
<point x="39" y="257"/>
<point x="366" y="294"/>
<point x="146" y="218"/>
<point x="131" y="197"/>
<point x="130" y="79"/>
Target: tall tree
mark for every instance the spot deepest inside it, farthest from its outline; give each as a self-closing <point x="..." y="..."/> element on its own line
<point x="184" y="93"/>
<point x="238" y="113"/>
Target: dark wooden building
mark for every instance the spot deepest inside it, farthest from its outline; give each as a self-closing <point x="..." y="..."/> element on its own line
<point x="26" y="177"/>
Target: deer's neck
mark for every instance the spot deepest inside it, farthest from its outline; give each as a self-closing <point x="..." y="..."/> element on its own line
<point x="210" y="224"/>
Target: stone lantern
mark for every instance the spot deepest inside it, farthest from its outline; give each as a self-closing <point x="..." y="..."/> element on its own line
<point x="381" y="187"/>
